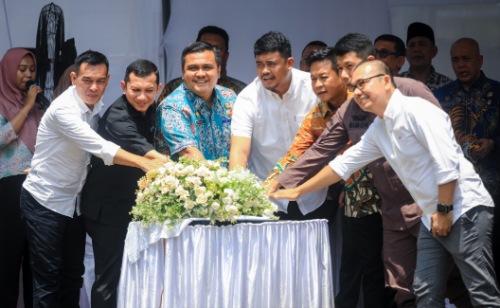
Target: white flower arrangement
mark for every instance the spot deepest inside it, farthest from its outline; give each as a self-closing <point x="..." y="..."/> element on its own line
<point x="199" y="189"/>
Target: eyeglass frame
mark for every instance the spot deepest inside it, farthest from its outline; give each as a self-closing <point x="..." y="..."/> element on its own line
<point x="360" y="84"/>
<point x="384" y="53"/>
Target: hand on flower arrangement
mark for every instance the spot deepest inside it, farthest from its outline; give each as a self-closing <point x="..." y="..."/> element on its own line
<point x="156" y="159"/>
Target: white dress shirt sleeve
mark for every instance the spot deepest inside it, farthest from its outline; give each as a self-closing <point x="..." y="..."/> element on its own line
<point x="71" y="125"/>
<point x="440" y="143"/>
<point x="242" y="121"/>
<point x="358" y="156"/>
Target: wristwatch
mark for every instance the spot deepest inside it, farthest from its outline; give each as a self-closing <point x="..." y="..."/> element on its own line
<point x="444" y="208"/>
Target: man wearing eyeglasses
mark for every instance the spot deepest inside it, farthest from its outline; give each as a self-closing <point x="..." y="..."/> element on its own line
<point x="418" y="141"/>
<point x="400" y="214"/>
<point x="391" y="49"/>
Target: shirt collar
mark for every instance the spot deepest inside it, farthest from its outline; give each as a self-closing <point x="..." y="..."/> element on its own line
<point x="83" y="107"/>
<point x="132" y="111"/>
<point x="198" y="101"/>
<point x="291" y="87"/>
<point x="476" y="85"/>
<point x="393" y="107"/>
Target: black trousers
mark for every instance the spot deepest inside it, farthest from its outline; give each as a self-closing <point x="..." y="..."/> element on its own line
<point x="108" y="242"/>
<point x="57" y="248"/>
<point x="361" y="263"/>
<point x="496" y="237"/>
<point x="14" y="246"/>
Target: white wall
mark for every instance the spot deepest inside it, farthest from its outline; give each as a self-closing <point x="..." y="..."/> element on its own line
<point x="328" y="20"/>
<point x="452" y="21"/>
<point x="245" y="21"/>
<point x="124" y="30"/>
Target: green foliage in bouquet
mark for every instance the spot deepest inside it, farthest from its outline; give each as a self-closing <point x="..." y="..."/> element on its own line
<point x="194" y="188"/>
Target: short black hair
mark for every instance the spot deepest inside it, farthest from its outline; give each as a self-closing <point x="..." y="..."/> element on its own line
<point x="142" y="68"/>
<point x="91" y="57"/>
<point x="214" y="30"/>
<point x="313" y="43"/>
<point x="273" y="41"/>
<point x="200" y="47"/>
<point x="355" y="42"/>
<point x="399" y="45"/>
<point x="326" y="53"/>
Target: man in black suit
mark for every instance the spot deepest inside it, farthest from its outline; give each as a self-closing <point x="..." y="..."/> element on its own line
<point x="109" y="193"/>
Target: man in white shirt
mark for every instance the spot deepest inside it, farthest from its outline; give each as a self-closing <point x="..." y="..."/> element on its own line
<point x="417" y="140"/>
<point x="65" y="141"/>
<point x="268" y="112"/>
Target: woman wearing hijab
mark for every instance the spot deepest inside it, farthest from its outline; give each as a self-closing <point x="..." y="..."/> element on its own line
<point x="19" y="118"/>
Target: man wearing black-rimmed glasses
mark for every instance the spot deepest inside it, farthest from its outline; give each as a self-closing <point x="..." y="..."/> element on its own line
<point x="400" y="214"/>
<point x="417" y="140"/>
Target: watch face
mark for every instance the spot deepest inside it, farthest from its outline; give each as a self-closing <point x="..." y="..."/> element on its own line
<point x="441" y="208"/>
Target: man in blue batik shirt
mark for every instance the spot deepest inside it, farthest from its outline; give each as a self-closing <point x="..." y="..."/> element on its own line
<point x="195" y="119"/>
<point x="473" y="103"/>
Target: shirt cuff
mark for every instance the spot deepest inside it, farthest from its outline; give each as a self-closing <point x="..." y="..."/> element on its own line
<point x="109" y="151"/>
<point x="339" y="168"/>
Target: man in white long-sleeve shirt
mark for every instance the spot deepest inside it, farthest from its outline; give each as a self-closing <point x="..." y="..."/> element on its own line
<point x="417" y="140"/>
<point x="49" y="199"/>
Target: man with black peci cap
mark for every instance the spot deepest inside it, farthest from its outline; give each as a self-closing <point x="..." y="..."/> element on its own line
<point x="420" y="50"/>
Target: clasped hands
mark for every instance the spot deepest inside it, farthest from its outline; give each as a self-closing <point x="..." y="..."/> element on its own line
<point x="274" y="191"/>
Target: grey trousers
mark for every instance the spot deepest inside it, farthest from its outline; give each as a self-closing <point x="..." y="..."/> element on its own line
<point x="469" y="245"/>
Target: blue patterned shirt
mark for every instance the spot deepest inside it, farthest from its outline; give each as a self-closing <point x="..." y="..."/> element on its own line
<point x="475" y="114"/>
<point x="185" y="120"/>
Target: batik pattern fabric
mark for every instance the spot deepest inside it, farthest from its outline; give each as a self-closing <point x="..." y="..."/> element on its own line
<point x="15" y="156"/>
<point x="185" y="120"/>
<point x="475" y="114"/>
<point x="435" y="80"/>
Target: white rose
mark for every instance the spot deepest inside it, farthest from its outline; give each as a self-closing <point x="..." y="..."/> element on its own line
<point x="188" y="205"/>
<point x="165" y="190"/>
<point x="170" y="181"/>
<point x="178" y="169"/>
<point x="202" y="199"/>
<point x="231" y="209"/>
<point x="199" y="190"/>
<point x="180" y="191"/>
<point x="202" y="171"/>
<point x="188" y="170"/>
<point x="194" y="180"/>
<point x="227" y="200"/>
<point x="215" y="206"/>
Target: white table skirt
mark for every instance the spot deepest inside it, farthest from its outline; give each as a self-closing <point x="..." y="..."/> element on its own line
<point x="268" y="264"/>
